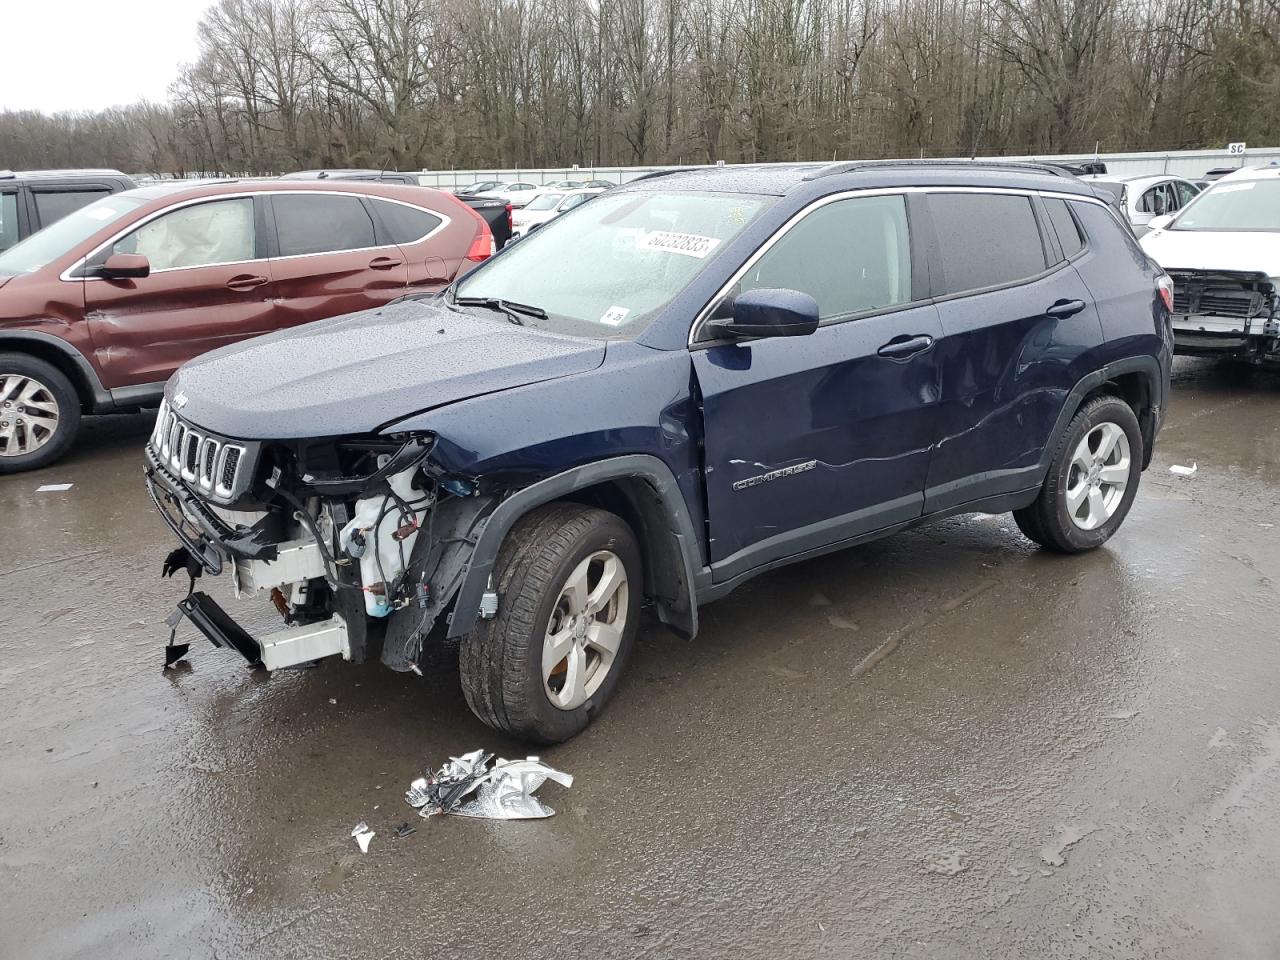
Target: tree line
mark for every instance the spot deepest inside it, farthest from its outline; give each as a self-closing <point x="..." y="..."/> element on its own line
<point x="280" y="85"/>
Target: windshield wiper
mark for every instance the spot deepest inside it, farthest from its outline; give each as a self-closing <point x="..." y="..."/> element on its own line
<point x="511" y="309"/>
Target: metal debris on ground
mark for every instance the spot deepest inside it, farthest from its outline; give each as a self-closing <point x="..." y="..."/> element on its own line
<point x="503" y="791"/>
<point x="1179" y="470"/>
<point x="54" y="487"/>
<point x="363" y="835"/>
<point x="404" y="830"/>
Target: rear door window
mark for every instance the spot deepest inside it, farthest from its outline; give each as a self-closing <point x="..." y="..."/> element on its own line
<point x="308" y="223"/>
<point x="1064" y="225"/>
<point x="8" y="220"/>
<point x="402" y="223"/>
<point x="851" y="256"/>
<point x="985" y="240"/>
<point x="53" y="205"/>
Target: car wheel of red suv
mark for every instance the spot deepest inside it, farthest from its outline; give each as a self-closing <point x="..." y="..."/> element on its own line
<point x="39" y="413"/>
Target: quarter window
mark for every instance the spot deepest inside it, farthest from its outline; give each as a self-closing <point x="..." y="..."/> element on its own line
<point x="851" y="256"/>
<point x="404" y="224"/>
<point x="203" y="234"/>
<point x="320" y="223"/>
<point x="986" y="240"/>
<point x="53" y="205"/>
<point x="1064" y="225"/>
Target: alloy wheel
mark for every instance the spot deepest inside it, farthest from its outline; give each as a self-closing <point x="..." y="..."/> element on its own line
<point x="1098" y="476"/>
<point x="585" y="630"/>
<point x="28" y="415"/>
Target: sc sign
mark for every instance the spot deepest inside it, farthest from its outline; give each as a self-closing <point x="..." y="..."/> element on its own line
<point x="1235" y="149"/>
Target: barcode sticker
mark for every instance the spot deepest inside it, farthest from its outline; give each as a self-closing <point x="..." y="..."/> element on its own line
<point x="688" y="244"/>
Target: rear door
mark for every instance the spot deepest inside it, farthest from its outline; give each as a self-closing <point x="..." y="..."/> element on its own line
<point x="1018" y="325"/>
<point x="432" y="253"/>
<point x="812" y="440"/>
<point x="328" y="259"/>
<point x="210" y="285"/>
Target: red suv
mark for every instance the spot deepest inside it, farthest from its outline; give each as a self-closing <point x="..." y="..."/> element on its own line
<point x="97" y="310"/>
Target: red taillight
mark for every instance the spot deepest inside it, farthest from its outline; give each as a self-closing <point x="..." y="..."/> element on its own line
<point x="510" y="223"/>
<point x="1165" y="285"/>
<point x="482" y="247"/>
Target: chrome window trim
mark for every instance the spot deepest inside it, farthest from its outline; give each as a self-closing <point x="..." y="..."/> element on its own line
<point x="444" y="218"/>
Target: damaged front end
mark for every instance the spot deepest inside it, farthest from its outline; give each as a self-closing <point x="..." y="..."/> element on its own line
<point x="358" y="543"/>
<point x="1226" y="313"/>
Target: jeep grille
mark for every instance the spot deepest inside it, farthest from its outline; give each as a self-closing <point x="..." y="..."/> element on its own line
<point x="204" y="461"/>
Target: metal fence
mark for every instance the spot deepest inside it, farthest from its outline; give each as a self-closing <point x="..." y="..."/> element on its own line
<point x="1183" y="163"/>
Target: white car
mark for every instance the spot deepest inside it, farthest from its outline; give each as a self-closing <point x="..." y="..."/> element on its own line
<point x="516" y="193"/>
<point x="1143" y="198"/>
<point x="547" y="205"/>
<point x="1223" y="252"/>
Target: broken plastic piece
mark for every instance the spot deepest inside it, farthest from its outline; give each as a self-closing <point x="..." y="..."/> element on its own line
<point x="404" y="830"/>
<point x="503" y="792"/>
<point x="1179" y="470"/>
<point x="363" y="835"/>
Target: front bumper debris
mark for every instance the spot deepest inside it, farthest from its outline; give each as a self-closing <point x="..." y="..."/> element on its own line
<point x="288" y="647"/>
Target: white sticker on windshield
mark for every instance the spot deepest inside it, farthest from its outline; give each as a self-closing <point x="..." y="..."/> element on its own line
<point x="689" y="244"/>
<point x="614" y="316"/>
<point x="1233" y="187"/>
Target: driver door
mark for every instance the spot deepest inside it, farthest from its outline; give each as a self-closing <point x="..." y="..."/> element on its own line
<point x="812" y="440"/>
<point x="209" y="285"/>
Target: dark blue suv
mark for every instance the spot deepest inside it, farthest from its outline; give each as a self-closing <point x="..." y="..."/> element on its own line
<point x="688" y="381"/>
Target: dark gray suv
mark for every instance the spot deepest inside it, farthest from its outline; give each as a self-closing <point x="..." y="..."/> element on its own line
<point x="32" y="199"/>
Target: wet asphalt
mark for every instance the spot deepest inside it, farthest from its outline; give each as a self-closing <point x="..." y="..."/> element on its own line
<point x="946" y="744"/>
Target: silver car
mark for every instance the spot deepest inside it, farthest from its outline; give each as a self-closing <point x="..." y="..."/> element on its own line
<point x="1143" y="198"/>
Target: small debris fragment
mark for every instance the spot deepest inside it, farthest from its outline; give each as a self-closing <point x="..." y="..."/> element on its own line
<point x="1178" y="470"/>
<point x="947" y="862"/>
<point x="363" y="835"/>
<point x="1066" y="835"/>
<point x="54" y="487"/>
<point x="404" y="830"/>
<point x="334" y="701"/>
<point x="1121" y="715"/>
<point x="502" y="792"/>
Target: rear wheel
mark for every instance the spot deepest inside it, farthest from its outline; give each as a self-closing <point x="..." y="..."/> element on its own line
<point x="39" y="413"/>
<point x="569" y="587"/>
<point x="1091" y="482"/>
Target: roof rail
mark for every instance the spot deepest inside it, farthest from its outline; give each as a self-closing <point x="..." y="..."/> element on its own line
<point x="662" y="173"/>
<point x="832" y="169"/>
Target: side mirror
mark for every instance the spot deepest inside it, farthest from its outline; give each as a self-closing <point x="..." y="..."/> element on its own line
<point x="124" y="266"/>
<point x="770" y="312"/>
<point x="1160" y="222"/>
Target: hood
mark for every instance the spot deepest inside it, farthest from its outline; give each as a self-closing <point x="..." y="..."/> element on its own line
<point x="1250" y="250"/>
<point x="353" y="374"/>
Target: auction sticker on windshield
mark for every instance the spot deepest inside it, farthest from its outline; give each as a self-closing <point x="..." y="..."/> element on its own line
<point x="614" y="316"/>
<point x="688" y="244"/>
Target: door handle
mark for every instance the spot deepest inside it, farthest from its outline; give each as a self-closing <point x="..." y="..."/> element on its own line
<point x="905" y="347"/>
<point x="1065" y="308"/>
<point x="245" y="282"/>
<point x="384" y="263"/>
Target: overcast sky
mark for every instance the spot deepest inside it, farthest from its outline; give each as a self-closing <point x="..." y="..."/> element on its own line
<point x="81" y="55"/>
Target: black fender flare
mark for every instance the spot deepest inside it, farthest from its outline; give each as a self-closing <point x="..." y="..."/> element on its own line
<point x="680" y="612"/>
<point x="1147" y="365"/>
<point x="99" y="397"/>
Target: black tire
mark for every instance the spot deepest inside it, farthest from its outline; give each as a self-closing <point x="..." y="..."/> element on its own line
<point x="1048" y="520"/>
<point x="56" y="383"/>
<point x="500" y="661"/>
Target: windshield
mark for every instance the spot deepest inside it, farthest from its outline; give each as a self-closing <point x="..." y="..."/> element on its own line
<point x="606" y="270"/>
<point x="544" y="201"/>
<point x="1234" y="205"/>
<point x="55" y="240"/>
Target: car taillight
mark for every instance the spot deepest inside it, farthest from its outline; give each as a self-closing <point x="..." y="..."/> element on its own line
<point x="1164" y="283"/>
<point x="482" y="247"/>
<point x="510" y="221"/>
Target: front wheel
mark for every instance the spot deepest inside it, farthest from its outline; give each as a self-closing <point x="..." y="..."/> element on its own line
<point x="1091" y="482"/>
<point x="39" y="413"/>
<point x="569" y="587"/>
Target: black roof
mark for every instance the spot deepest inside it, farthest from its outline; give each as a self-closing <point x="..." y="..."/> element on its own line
<point x="352" y="174"/>
<point x="57" y="174"/>
<point x="780" y="179"/>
